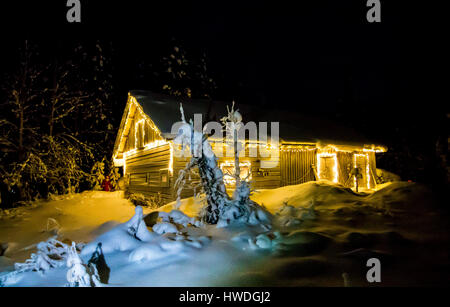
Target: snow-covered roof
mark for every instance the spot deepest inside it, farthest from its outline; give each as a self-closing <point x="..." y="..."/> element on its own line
<point x="294" y="127"/>
<point x="164" y="111"/>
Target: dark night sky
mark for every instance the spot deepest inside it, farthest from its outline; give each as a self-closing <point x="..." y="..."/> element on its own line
<point x="322" y="57"/>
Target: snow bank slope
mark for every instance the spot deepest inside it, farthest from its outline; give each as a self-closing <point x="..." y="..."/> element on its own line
<point x="77" y="217"/>
<point x="327" y="230"/>
<point x="320" y="231"/>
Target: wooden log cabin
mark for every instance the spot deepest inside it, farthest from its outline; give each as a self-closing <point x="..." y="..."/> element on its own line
<point x="308" y="149"/>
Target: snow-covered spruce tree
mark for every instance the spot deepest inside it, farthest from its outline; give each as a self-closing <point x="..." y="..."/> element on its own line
<point x="114" y="175"/>
<point x="211" y="176"/>
<point x="220" y="209"/>
<point x="98" y="174"/>
<point x="242" y="208"/>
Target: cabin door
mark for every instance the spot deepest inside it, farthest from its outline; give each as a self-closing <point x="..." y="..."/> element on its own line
<point x="327" y="167"/>
<point x="361" y="162"/>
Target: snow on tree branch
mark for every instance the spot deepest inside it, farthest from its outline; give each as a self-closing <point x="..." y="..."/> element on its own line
<point x="50" y="254"/>
<point x="80" y="275"/>
<point x="221" y="209"/>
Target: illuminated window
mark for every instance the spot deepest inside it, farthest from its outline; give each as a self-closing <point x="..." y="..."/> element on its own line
<point x="227" y="168"/>
<point x="164" y="178"/>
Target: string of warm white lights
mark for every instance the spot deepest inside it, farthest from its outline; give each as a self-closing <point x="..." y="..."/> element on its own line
<point x="296" y="148"/>
<point x="140" y="125"/>
<point x="333" y="148"/>
<point x="132" y="102"/>
<point x="142" y="121"/>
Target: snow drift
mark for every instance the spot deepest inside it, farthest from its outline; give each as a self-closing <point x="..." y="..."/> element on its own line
<point x="321" y="235"/>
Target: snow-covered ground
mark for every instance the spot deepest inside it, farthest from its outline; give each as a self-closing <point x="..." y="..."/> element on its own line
<point x="319" y="232"/>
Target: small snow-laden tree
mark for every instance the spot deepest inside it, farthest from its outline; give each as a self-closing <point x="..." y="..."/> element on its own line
<point x="231" y="124"/>
<point x="98" y="174"/>
<point x="56" y="168"/>
<point x="114" y="175"/>
<point x="65" y="157"/>
<point x="211" y="175"/>
<point x="50" y="254"/>
<point x="26" y="176"/>
<point x="78" y="274"/>
<point x="220" y="209"/>
<point x="242" y="207"/>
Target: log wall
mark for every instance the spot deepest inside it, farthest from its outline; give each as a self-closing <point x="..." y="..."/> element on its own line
<point x="296" y="166"/>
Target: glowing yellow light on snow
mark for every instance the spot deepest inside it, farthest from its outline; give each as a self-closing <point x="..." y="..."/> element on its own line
<point x="335" y="166"/>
